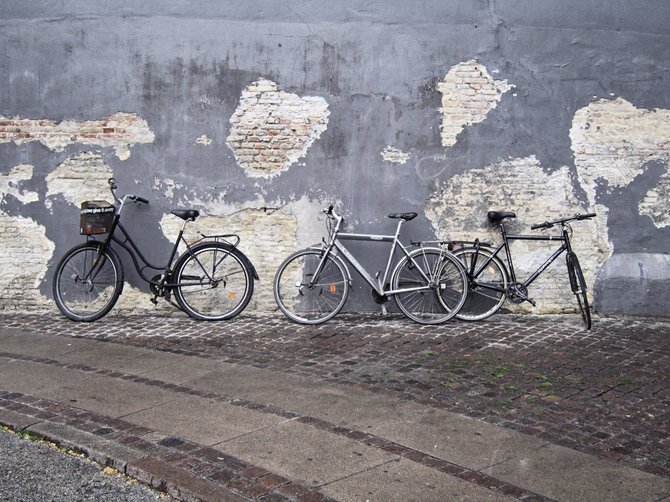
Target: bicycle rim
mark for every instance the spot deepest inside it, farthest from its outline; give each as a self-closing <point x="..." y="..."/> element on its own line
<point x="578" y="284"/>
<point x="486" y="291"/>
<point x="87" y="284"/>
<point x="442" y="282"/>
<point x="306" y="298"/>
<point x="213" y="283"/>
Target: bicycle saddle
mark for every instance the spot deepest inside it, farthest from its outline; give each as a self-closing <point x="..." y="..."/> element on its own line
<point x="403" y="216"/>
<point x="186" y="214"/>
<point x="496" y="216"/>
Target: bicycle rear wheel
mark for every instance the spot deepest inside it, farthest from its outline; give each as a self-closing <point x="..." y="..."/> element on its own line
<point x="436" y="282"/>
<point x="315" y="303"/>
<point x="578" y="285"/>
<point x="213" y="282"/>
<point x="486" y="286"/>
<point x="87" y="282"/>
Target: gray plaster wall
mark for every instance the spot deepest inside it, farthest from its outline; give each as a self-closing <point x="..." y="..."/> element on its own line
<point x="183" y="68"/>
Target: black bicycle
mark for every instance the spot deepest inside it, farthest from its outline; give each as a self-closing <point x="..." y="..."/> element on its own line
<point x="212" y="280"/>
<point x="490" y="281"/>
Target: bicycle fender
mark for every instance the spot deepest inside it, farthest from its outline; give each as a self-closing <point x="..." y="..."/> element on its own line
<point x="245" y="260"/>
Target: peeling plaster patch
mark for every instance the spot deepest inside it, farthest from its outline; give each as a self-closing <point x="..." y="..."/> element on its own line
<point x="655" y="203"/>
<point x="394" y="155"/>
<point x="11" y="184"/>
<point x="267" y="238"/>
<point x="168" y="184"/>
<point x="458" y="211"/>
<point x="80" y="177"/>
<point x="24" y="254"/>
<point x="612" y="140"/>
<point x="24" y="247"/>
<point x="120" y="131"/>
<point x="203" y="140"/>
<point x="272" y="129"/>
<point x="469" y="93"/>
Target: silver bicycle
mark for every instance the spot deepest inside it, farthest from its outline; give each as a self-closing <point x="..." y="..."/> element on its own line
<point x="429" y="284"/>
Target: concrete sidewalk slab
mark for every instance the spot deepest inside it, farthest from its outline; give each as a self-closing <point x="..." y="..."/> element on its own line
<point x="564" y="474"/>
<point x="32" y="344"/>
<point x="35" y="378"/>
<point x="405" y="480"/>
<point x="202" y="420"/>
<point x="109" y="396"/>
<point x="302" y="452"/>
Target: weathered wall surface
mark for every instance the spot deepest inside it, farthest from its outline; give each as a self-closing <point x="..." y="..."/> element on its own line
<point x="259" y="113"/>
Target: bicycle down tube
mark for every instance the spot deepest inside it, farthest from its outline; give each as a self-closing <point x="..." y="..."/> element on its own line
<point x="543" y="267"/>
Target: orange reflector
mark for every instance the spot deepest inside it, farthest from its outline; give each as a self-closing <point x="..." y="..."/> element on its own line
<point x="231" y="295"/>
<point x="333" y="288"/>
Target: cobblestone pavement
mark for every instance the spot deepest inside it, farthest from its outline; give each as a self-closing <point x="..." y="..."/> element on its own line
<point x="603" y="392"/>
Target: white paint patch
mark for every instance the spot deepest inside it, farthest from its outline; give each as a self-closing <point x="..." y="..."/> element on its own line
<point x="12" y="184"/>
<point x="469" y="93"/>
<point x="655" y="204"/>
<point x="394" y="155"/>
<point x="80" y="177"/>
<point x="168" y="185"/>
<point x="24" y="254"/>
<point x="203" y="140"/>
<point x="458" y="211"/>
<point x="612" y="140"/>
<point x="272" y="129"/>
<point x="120" y="131"/>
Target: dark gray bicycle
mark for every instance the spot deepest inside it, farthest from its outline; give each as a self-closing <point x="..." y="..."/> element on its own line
<point x="491" y="282"/>
<point x="212" y="280"/>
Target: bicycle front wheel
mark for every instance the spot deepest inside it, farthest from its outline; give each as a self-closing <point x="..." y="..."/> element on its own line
<point x="434" y="285"/>
<point x="308" y="298"/>
<point x="486" y="285"/>
<point x="578" y="285"/>
<point x="213" y="282"/>
<point x="87" y="282"/>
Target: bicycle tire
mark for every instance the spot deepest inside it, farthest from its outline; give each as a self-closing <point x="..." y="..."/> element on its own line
<point x="316" y="304"/>
<point x="578" y="286"/>
<point x="213" y="282"/>
<point x="444" y="278"/>
<point x="87" y="284"/>
<point x="486" y="292"/>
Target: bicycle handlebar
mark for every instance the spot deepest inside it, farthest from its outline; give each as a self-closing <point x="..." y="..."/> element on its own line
<point x="561" y="221"/>
<point x="330" y="212"/>
<point x="135" y="198"/>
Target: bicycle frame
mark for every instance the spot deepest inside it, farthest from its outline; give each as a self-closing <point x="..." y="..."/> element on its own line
<point x="378" y="284"/>
<point x="564" y="238"/>
<point x="133" y="250"/>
